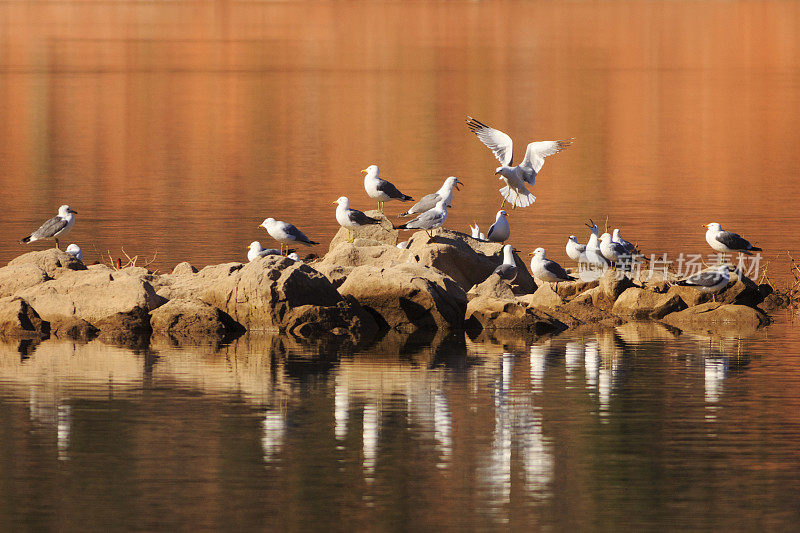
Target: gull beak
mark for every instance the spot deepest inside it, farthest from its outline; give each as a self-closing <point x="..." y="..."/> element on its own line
<point x="530" y="253"/>
<point x="335" y="202"/>
<point x="704" y="226"/>
<point x="364" y="171"/>
<point x="458" y="183"/>
<point x="73" y="211"/>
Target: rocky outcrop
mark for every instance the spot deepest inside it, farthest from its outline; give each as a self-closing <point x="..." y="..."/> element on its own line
<point x="486" y="312"/>
<point x="19" y="319"/>
<point x="406" y="297"/>
<point x="53" y="261"/>
<point x="192" y="321"/>
<point x="383" y="233"/>
<point x="635" y="302"/>
<point x="340" y="261"/>
<point x="14" y="278"/>
<point x="713" y="317"/>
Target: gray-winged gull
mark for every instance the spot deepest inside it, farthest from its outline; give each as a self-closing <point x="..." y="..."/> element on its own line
<point x="516" y="177"/>
<point x="593" y="253"/>
<point x="575" y="250"/>
<point x="350" y="219"/>
<point x="500" y="230"/>
<point x="547" y="270"/>
<point x="285" y="233"/>
<point x="255" y="250"/>
<point x="726" y="241"/>
<point x="508" y="269"/>
<point x="75" y="251"/>
<point x="429" y="201"/>
<point x="629" y="246"/>
<point x="429" y="220"/>
<point x="55" y="227"/>
<point x="709" y="280"/>
<point x="613" y="251"/>
<point x="381" y="190"/>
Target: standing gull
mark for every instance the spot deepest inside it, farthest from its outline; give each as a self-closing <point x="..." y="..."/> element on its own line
<point x="500" y="230"/>
<point x="55" y="227"/>
<point x="476" y="232"/>
<point x="629" y="247"/>
<point x="508" y="269"/>
<point x="709" y="280"/>
<point x="429" y="201"/>
<point x="515" y="191"/>
<point x="351" y="218"/>
<point x="547" y="270"/>
<point x="593" y="253"/>
<point x="726" y="241"/>
<point x="285" y="233"/>
<point x="75" y="251"/>
<point x="613" y="251"/>
<point x="255" y="250"/>
<point x="575" y="250"/>
<point x="429" y="220"/>
<point x="381" y="190"/>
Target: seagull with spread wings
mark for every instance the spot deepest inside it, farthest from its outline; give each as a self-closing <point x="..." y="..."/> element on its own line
<point x="516" y="177"/>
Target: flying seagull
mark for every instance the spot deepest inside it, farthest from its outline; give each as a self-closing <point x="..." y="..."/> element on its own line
<point x="285" y="233"/>
<point x="429" y="201"/>
<point x="726" y="241"/>
<point x="381" y="190"/>
<point x="351" y="218"/>
<point x="55" y="227"/>
<point x="516" y="177"/>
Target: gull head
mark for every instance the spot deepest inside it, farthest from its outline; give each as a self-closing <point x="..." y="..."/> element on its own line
<point x="371" y="171"/>
<point x="503" y="171"/>
<point x="452" y="182"/>
<point x="65" y="210"/>
<point x="500" y="213"/>
<point x="713" y="226"/>
<point x="293" y="256"/>
<point x="267" y="222"/>
<point x="573" y="238"/>
<point x="592" y="227"/>
<point x="538" y="253"/>
<point x="615" y="234"/>
<point x="605" y="237"/>
<point x="508" y="250"/>
<point x="75" y="251"/>
<point x="344" y="201"/>
<point x="255" y="245"/>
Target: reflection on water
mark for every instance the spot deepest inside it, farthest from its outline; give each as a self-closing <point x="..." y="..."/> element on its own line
<point x="487" y="436"/>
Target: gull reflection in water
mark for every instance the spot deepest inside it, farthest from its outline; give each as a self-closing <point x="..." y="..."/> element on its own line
<point x="274" y="425"/>
<point x="341" y="407"/>
<point x="442" y="428"/>
<point x="538" y="362"/>
<point x="370" y="432"/>
<point x="49" y="411"/>
<point x="573" y="357"/>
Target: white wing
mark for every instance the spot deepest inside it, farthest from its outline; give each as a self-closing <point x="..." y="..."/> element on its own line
<point x="498" y="142"/>
<point x="537" y="151"/>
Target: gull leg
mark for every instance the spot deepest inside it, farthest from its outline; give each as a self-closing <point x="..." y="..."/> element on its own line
<point x="352" y="235"/>
<point x="503" y="202"/>
<point x="57" y="248"/>
<point x="514" y="203"/>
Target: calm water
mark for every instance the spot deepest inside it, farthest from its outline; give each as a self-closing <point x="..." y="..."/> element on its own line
<point x="177" y="127"/>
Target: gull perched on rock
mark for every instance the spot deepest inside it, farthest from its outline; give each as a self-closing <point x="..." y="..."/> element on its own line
<point x="75" y="251"/>
<point x="500" y="230"/>
<point x="547" y="270"/>
<point x="726" y="241"/>
<point x="255" y="250"/>
<point x="429" y="201"/>
<point x="629" y="247"/>
<point x="593" y="253"/>
<point x="381" y="190"/>
<point x="285" y="233"/>
<point x="709" y="280"/>
<point x="351" y="219"/>
<point x="613" y="251"/>
<point x="508" y="269"/>
<point x="293" y="256"/>
<point x="476" y="232"/>
<point x="55" y="227"/>
<point x="516" y="177"/>
<point x="575" y="250"/>
<point x="429" y="220"/>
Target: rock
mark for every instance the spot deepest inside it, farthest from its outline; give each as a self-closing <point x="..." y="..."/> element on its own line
<point x="340" y="261"/>
<point x="73" y="328"/>
<point x="53" y="261"/>
<point x="636" y="302"/>
<point x="714" y="316"/>
<point x="689" y="295"/>
<point x="383" y="233"/>
<point x="408" y="296"/>
<point x="14" y="278"/>
<point x="570" y="289"/>
<point x="184" y="269"/>
<point x="495" y="287"/>
<point x="466" y="260"/>
<point x="742" y="290"/>
<point x="19" y="319"/>
<point x="311" y="321"/>
<point x="545" y="297"/>
<point x="488" y="313"/>
<point x="110" y="302"/>
<point x="613" y="283"/>
<point x="192" y="320"/>
<point x="580" y="310"/>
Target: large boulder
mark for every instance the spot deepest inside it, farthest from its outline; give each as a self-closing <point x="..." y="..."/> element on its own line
<point x="340" y="261"/>
<point x="494" y="286"/>
<point x="53" y="261"/>
<point x="468" y="261"/>
<point x="406" y="297"/>
<point x="14" y="278"/>
<point x="488" y="313"/>
<point x="383" y="233"/>
<point x="546" y="297"/>
<point x="636" y="302"/>
<point x="19" y="319"/>
<point x="192" y="320"/>
<point x="713" y="317"/>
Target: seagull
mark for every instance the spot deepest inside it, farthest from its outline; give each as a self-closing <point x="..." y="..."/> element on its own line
<point x="593" y="253"/>
<point x="429" y="201"/>
<point x="575" y="250"/>
<point x="709" y="280"/>
<point x="629" y="247"/>
<point x="75" y="251"/>
<point x="285" y="233"/>
<point x="613" y="251"/>
<point x="515" y="176"/>
<point x="55" y="227"/>
<point x="476" y="232"/>
<point x="351" y="218"/>
<point x="293" y="256"/>
<point x="500" y="230"/>
<point x="429" y="220"/>
<point x="726" y="241"/>
<point x="508" y="269"/>
<point x="255" y="250"/>
<point x="547" y="270"/>
<point x="402" y="245"/>
<point x="381" y="190"/>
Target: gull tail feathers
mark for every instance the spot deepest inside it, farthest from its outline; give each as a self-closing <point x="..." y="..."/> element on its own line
<point x="25" y="240"/>
<point x="521" y="199"/>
